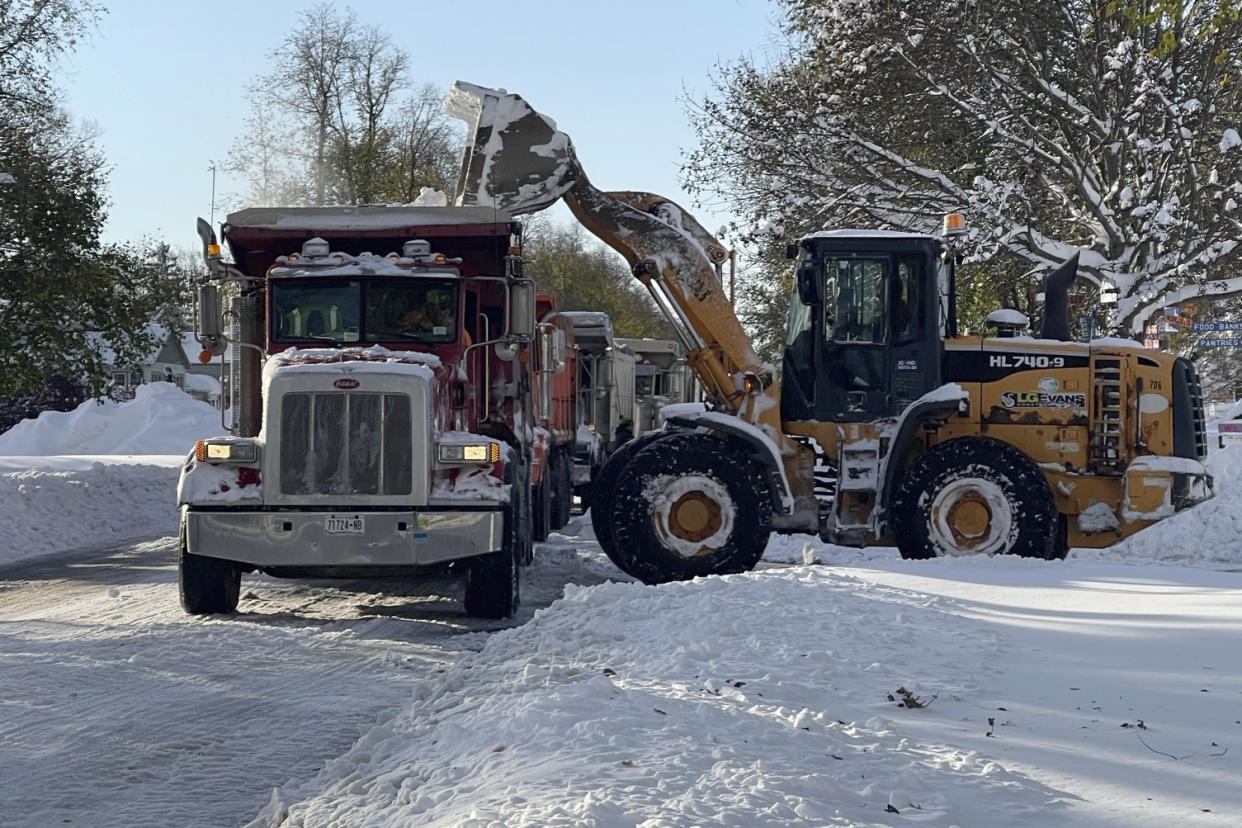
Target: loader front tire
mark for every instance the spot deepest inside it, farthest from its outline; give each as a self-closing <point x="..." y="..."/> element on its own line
<point x="601" y="500"/>
<point x="684" y="505"/>
<point x="975" y="496"/>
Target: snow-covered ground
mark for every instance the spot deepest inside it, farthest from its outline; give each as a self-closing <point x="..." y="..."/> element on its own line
<point x="1103" y="690"/>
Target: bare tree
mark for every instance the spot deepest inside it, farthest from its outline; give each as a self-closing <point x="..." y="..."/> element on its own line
<point x="33" y="35"/>
<point x="361" y="133"/>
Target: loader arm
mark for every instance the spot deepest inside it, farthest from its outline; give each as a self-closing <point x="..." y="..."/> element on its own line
<point x="517" y="160"/>
<point x="675" y="264"/>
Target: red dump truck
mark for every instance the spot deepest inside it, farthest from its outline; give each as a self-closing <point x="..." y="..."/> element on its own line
<point x="398" y="403"/>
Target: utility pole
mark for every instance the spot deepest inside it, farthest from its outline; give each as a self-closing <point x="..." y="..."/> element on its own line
<point x="212" y="169"/>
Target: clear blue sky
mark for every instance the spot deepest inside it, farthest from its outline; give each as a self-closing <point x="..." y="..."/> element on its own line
<point x="165" y="82"/>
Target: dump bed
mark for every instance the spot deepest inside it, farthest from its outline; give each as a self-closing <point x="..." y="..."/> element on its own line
<point x="256" y="236"/>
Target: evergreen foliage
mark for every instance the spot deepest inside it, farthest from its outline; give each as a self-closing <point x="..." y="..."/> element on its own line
<point x="58" y="280"/>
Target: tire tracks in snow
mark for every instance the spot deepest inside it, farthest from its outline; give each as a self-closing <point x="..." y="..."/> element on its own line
<point x="116" y="709"/>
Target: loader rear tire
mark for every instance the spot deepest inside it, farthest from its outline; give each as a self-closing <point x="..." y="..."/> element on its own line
<point x="975" y="496"/>
<point x="686" y="505"/>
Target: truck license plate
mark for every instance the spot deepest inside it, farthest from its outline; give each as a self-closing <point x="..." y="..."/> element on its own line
<point x="343" y="524"/>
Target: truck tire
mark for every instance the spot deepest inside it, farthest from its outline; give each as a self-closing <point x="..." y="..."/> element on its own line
<point x="541" y="506"/>
<point x="562" y="485"/>
<point x="493" y="581"/>
<point x="207" y="585"/>
<point x="686" y="505"/>
<point x="975" y="496"/>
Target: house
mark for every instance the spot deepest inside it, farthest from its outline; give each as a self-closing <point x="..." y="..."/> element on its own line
<point x="166" y="362"/>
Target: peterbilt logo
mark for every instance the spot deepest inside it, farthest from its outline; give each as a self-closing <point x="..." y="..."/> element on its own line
<point x="346" y="382"/>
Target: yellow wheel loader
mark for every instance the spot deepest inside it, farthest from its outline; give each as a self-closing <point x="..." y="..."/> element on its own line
<point x="888" y="426"/>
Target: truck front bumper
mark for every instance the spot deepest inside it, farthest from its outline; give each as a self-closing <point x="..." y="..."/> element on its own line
<point x="310" y="539"/>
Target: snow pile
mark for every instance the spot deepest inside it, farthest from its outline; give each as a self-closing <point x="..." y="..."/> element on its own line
<point x="630" y="705"/>
<point x="92" y="504"/>
<point x="102" y="473"/>
<point x="160" y="419"/>
<point x="1210" y="533"/>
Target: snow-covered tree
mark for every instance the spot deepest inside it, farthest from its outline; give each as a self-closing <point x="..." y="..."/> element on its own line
<point x="1105" y="127"/>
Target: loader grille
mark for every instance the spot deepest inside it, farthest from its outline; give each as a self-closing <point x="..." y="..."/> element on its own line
<point x="345" y="444"/>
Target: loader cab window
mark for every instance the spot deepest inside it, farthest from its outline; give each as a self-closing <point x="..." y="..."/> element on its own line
<point x="908" y="300"/>
<point x="857" y="289"/>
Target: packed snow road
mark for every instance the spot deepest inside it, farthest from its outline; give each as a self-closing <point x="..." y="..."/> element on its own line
<point x="118" y="709"/>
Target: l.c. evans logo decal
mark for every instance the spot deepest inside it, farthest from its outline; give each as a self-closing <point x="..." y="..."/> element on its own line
<point x="1042" y="399"/>
<point x="346" y="382"/>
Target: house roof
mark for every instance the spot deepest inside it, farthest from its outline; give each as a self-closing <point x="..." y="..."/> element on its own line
<point x="159" y="333"/>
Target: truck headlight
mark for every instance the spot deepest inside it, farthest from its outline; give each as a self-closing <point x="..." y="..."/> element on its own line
<point x="469" y="452"/>
<point x="226" y="451"/>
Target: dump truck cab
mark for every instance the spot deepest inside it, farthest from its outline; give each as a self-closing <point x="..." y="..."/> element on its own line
<point x="384" y="416"/>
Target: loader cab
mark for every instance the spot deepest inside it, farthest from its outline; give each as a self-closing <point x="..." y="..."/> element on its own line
<point x="867" y="319"/>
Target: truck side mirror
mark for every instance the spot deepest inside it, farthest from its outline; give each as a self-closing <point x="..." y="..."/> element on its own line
<point x="208" y="312"/>
<point x="522" y="308"/>
<point x="558" y="351"/>
<point x="808" y="285"/>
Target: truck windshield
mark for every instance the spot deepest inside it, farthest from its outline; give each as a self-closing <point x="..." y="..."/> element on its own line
<point x="373" y="310"/>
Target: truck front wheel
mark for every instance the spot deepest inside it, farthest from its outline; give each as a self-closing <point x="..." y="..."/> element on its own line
<point x="207" y="585"/>
<point x="975" y="496"/>
<point x="493" y="580"/>
<point x="684" y="505"/>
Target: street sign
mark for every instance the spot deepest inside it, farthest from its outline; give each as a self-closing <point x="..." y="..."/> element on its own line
<point x="1180" y="321"/>
<point x="1227" y="325"/>
<point x="1226" y="342"/>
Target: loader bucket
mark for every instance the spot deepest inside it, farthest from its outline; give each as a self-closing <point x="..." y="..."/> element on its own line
<point x="515" y="159"/>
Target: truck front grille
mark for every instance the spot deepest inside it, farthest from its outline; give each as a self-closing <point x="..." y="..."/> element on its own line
<point x="345" y="444"/>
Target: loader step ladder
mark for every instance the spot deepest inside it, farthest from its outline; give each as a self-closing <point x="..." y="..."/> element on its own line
<point x="1108" y="416"/>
